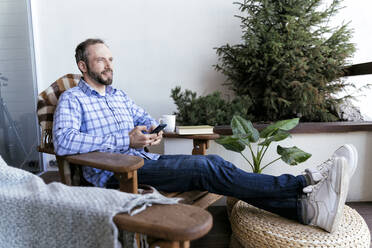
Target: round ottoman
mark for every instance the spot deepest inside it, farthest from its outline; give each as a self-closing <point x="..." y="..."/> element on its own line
<point x="253" y="227"/>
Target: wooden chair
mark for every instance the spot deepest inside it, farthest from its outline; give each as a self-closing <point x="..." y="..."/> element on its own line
<point x="174" y="225"/>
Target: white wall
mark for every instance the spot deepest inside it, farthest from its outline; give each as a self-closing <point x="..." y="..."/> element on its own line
<point x="157" y="45"/>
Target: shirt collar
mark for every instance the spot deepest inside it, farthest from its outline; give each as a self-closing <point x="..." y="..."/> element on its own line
<point x="88" y="90"/>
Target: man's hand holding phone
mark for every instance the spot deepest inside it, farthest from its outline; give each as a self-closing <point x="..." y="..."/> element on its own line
<point x="159" y="132"/>
<point x="138" y="139"/>
<point x="158" y="128"/>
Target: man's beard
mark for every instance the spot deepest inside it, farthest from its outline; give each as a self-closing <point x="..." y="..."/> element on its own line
<point x="98" y="76"/>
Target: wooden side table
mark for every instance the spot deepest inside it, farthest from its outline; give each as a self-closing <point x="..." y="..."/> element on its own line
<point x="200" y="141"/>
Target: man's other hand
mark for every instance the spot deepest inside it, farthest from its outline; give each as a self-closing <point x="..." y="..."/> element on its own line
<point x="140" y="140"/>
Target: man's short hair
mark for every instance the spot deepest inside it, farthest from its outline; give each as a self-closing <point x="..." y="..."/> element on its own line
<point x="81" y="50"/>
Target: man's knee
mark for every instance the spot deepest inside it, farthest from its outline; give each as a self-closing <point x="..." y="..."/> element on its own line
<point x="215" y="157"/>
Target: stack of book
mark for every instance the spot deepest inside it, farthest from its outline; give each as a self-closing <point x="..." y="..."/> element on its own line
<point x="193" y="130"/>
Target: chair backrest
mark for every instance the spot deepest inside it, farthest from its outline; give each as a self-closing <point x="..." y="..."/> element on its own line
<point x="47" y="103"/>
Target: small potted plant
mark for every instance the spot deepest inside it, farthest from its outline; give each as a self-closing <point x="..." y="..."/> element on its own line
<point x="244" y="135"/>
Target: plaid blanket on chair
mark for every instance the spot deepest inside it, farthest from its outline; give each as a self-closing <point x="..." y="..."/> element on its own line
<point x="47" y="103"/>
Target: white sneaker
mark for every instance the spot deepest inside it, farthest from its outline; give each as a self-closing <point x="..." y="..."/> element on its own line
<point x="348" y="151"/>
<point x="315" y="175"/>
<point x="324" y="203"/>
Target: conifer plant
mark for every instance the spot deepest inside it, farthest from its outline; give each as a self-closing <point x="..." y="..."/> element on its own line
<point x="290" y="61"/>
<point x="211" y="109"/>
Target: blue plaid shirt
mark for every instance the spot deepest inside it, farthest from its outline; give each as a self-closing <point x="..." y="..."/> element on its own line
<point x="85" y="121"/>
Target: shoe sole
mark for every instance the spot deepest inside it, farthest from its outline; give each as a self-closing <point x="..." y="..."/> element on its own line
<point x="354" y="152"/>
<point x="353" y="161"/>
<point x="343" y="184"/>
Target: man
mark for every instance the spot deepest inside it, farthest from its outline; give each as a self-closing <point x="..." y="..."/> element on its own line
<point x="96" y="117"/>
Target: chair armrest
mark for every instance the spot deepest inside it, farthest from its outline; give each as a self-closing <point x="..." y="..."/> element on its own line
<point x="49" y="150"/>
<point x="117" y="163"/>
<point x="177" y="222"/>
<point x="124" y="166"/>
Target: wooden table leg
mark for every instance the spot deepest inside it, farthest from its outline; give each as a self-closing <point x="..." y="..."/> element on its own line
<point x="200" y="147"/>
<point x="64" y="170"/>
<point x="128" y="182"/>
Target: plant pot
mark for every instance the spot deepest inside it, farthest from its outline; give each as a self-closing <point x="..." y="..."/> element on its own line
<point x="254" y="227"/>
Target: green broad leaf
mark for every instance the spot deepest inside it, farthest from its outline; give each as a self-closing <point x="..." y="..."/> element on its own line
<point x="244" y="138"/>
<point x="292" y="155"/>
<point x="244" y="129"/>
<point x="283" y="125"/>
<point x="231" y="143"/>
<point x="278" y="136"/>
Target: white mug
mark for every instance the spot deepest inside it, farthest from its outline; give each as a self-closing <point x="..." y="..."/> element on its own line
<point x="170" y="120"/>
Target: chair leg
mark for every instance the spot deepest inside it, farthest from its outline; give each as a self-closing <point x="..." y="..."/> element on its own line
<point x="184" y="244"/>
<point x="170" y="244"/>
<point x="128" y="182"/>
<point x="64" y="170"/>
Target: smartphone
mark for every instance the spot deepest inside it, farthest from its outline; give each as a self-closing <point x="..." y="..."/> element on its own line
<point x="158" y="128"/>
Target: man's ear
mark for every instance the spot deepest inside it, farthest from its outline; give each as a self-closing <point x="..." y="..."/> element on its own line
<point x="82" y="66"/>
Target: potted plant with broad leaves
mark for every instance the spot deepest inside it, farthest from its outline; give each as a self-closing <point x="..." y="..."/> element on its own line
<point x="244" y="135"/>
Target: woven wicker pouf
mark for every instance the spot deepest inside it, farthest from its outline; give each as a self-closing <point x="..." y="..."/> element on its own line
<point x="253" y="227"/>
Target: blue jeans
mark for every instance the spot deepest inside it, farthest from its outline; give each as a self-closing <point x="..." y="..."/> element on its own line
<point x="178" y="173"/>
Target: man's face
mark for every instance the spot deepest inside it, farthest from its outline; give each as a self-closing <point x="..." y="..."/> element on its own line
<point x="100" y="67"/>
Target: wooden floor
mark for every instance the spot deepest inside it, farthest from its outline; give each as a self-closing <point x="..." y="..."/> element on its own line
<point x="219" y="236"/>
